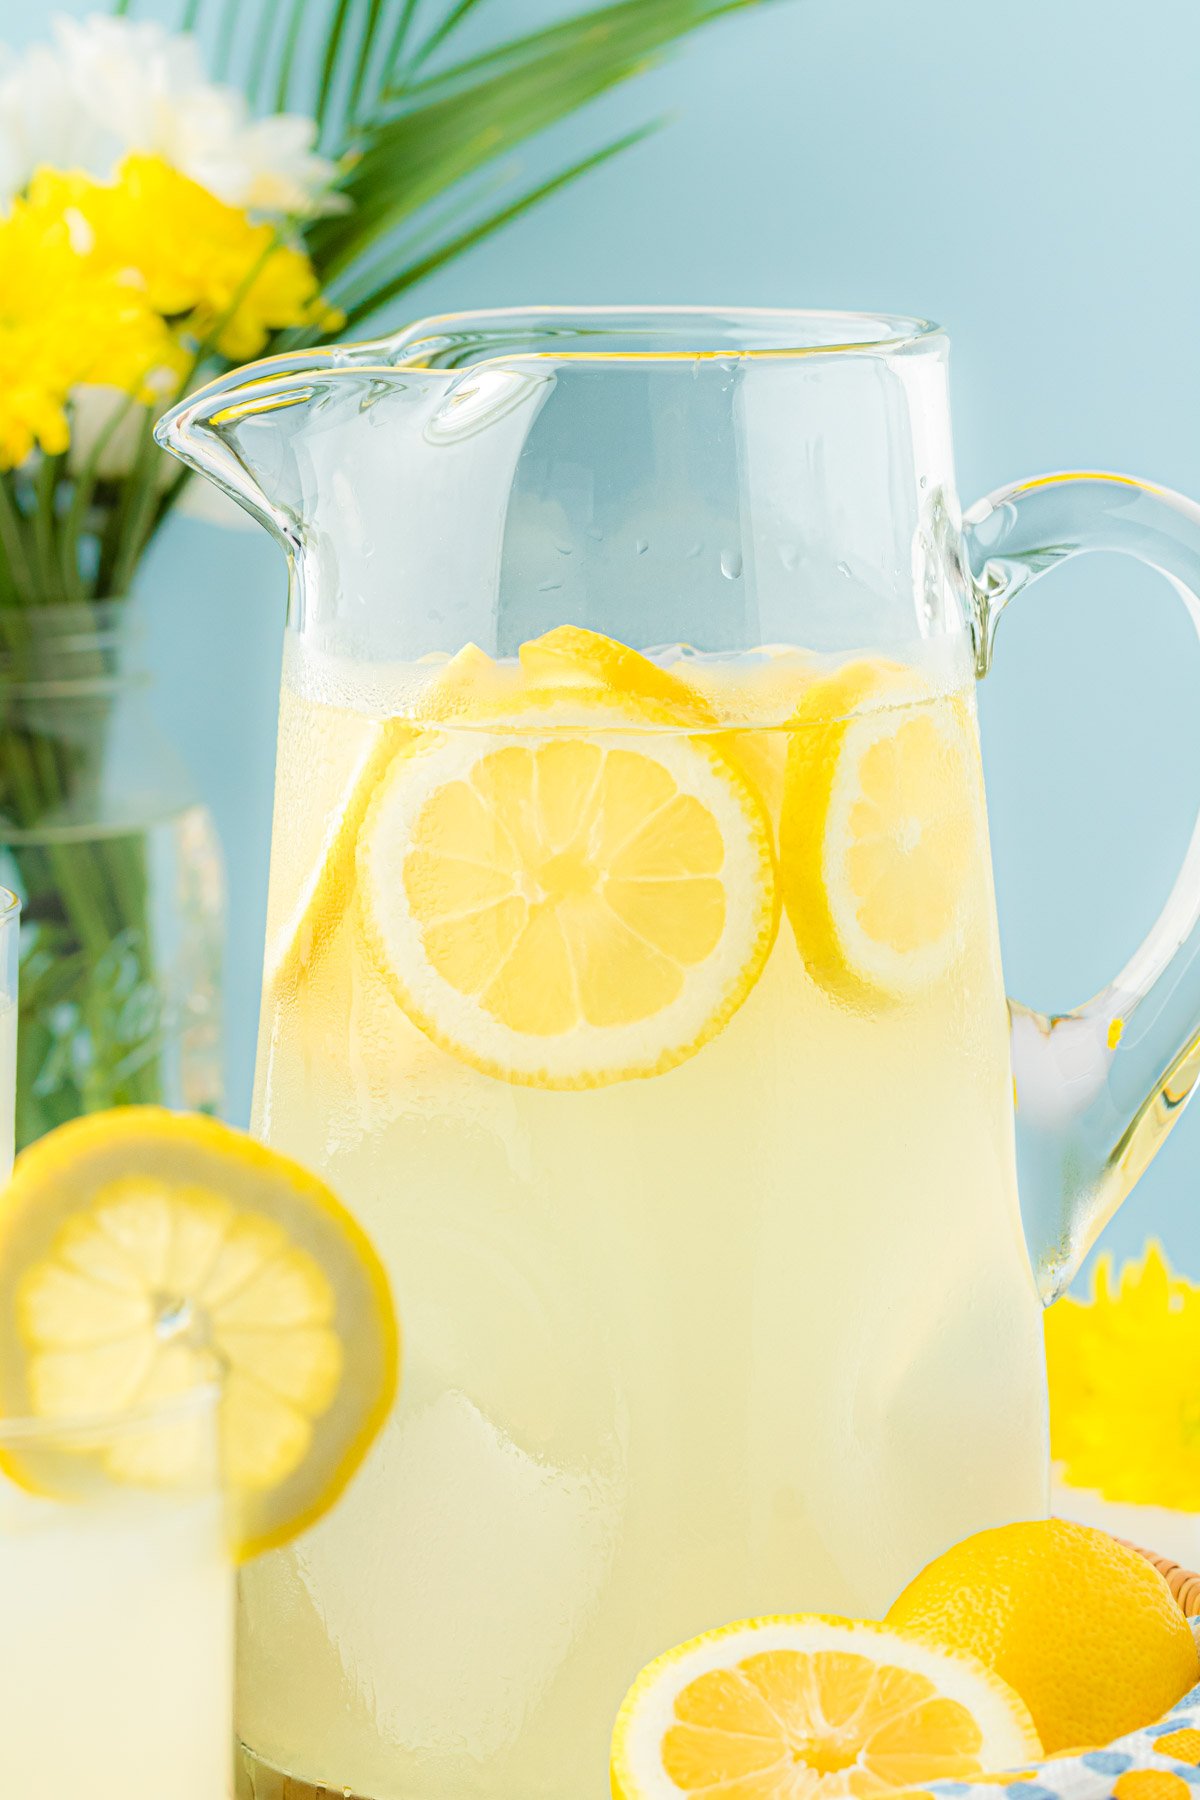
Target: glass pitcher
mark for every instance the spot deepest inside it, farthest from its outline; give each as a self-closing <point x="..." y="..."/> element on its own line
<point x="632" y="971"/>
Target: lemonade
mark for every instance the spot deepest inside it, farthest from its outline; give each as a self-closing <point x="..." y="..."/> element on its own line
<point x="647" y="1011"/>
<point x="116" y="1647"/>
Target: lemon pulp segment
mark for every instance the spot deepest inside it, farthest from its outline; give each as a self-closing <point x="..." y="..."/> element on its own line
<point x="820" y="1706"/>
<point x="568" y="910"/>
<point x="880" y="832"/>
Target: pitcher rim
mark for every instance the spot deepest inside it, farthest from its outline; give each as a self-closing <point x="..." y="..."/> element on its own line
<point x="269" y="378"/>
<point x="791" y="331"/>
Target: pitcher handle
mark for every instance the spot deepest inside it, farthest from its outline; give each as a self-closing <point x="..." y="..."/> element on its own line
<point x="1097" y="1089"/>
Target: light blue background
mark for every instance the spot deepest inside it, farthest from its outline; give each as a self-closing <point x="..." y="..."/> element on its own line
<point x="1027" y="175"/>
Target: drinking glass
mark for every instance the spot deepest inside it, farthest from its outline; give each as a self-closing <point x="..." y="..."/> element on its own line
<point x="116" y="1608"/>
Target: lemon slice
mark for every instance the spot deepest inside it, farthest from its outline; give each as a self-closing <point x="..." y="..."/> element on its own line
<point x="343" y="767"/>
<point x="567" y="909"/>
<point x="571" y="657"/>
<point x="325" y="888"/>
<point x="813" y="1706"/>
<point x="879" y="832"/>
<point x="144" y="1253"/>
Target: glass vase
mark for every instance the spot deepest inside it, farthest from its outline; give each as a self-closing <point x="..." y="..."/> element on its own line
<point x="118" y="869"/>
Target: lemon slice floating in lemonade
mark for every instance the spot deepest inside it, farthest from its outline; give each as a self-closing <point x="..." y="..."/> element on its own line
<point x="578" y="905"/>
<point x="817" y="1706"/>
<point x="144" y="1253"/>
<point x="879" y="831"/>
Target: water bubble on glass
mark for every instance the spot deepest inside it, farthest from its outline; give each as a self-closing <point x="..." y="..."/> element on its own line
<point x="789" y="556"/>
<point x="642" y="545"/>
<point x="843" y="568"/>
<point x="731" y="564"/>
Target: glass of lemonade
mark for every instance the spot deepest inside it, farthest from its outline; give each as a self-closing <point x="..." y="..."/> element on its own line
<point x="632" y="972"/>
<point x="116" y="1604"/>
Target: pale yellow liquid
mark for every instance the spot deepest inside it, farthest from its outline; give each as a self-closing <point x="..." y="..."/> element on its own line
<point x="116" y="1648"/>
<point x="757" y="1335"/>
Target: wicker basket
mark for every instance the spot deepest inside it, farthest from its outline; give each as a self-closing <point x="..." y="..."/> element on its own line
<point x="1182" y="1582"/>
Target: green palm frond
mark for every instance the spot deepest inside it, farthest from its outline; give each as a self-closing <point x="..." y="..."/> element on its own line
<point x="410" y="263"/>
<point x="418" y="121"/>
<point x="434" y="132"/>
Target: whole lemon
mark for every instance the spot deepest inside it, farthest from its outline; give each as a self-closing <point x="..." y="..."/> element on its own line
<point x="1085" y="1630"/>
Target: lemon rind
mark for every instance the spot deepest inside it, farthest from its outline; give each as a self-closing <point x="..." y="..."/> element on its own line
<point x="835" y="712"/>
<point x="620" y="721"/>
<point x="648" y="1707"/>
<point x="57" y="1155"/>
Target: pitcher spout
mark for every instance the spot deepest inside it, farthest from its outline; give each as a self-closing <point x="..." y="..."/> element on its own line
<point x="229" y="432"/>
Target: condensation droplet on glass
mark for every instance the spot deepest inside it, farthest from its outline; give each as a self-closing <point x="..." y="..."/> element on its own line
<point x="924" y="481"/>
<point x="843" y="568"/>
<point x="549" y="587"/>
<point x="594" y="531"/>
<point x="789" y="556"/>
<point x="696" y="550"/>
<point x="642" y="545"/>
<point x="565" y="549"/>
<point x="731" y="564"/>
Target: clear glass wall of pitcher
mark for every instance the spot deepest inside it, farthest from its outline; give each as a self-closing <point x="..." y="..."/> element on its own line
<point x="632" y="971"/>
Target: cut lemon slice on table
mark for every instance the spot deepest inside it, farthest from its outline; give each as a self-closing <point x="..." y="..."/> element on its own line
<point x="773" y="1709"/>
<point x="574" y="906"/>
<point x="879" y="832"/>
<point x="144" y="1253"/>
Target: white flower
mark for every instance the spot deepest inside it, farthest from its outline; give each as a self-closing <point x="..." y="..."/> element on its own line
<point x="107" y="431"/>
<point x="109" y="86"/>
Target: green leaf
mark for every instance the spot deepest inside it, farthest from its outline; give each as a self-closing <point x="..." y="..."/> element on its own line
<point x="335" y="41"/>
<point x="377" y="288"/>
<point x="634" y="28"/>
<point x="399" y="39"/>
<point x="291" y="40"/>
<point x="366" y="48"/>
<point x="447" y="127"/>
<point x="437" y="37"/>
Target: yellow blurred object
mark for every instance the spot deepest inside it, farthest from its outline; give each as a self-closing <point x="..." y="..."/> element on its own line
<point x="229" y="280"/>
<point x="1124" y="1370"/>
<point x="1082" y="1627"/>
<point x="66" y="320"/>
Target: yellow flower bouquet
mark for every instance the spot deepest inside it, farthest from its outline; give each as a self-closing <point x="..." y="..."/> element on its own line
<point x="157" y="226"/>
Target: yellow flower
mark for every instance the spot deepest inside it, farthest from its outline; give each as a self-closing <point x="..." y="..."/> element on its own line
<point x="1124" y="1372"/>
<point x="201" y="262"/>
<point x="64" y="319"/>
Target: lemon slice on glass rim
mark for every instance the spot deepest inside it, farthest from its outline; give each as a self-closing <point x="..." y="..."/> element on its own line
<point x="144" y="1254"/>
<point x="832" y="1709"/>
<point x="584" y="897"/>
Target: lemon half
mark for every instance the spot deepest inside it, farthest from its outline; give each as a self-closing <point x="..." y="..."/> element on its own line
<point x="823" y="1707"/>
<point x="144" y="1253"/>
